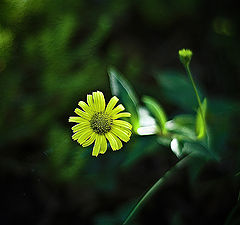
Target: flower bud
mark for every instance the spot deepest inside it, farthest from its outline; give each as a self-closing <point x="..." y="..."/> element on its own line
<point x="185" y="56"/>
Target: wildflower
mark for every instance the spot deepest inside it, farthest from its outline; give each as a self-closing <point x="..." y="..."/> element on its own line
<point x="185" y="56"/>
<point x="97" y="123"/>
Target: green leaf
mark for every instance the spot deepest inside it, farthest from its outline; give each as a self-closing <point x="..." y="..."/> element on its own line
<point x="200" y="121"/>
<point x="185" y="147"/>
<point x="186" y="120"/>
<point x="157" y="111"/>
<point x="163" y="140"/>
<point x="181" y="147"/>
<point x="122" y="89"/>
<point x="198" y="149"/>
<point x="196" y="166"/>
<point x="176" y="89"/>
<point x="237" y="174"/>
<point x="141" y="147"/>
<point x="182" y="127"/>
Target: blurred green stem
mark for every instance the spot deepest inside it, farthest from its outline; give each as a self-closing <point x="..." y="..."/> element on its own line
<point x="232" y="213"/>
<point x="156" y="187"/>
<point x="197" y="95"/>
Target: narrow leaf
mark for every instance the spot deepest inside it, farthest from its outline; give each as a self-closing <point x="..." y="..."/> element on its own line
<point x="122" y="89"/>
<point x="200" y="120"/>
<point x="157" y="111"/>
<point x="198" y="149"/>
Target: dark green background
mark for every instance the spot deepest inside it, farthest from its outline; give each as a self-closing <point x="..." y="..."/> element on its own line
<point x="53" y="53"/>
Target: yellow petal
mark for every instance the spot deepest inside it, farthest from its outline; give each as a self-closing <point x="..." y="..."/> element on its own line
<point x="85" y="107"/>
<point x="113" y="101"/>
<point x="103" y="148"/>
<point x="101" y="101"/>
<point x="76" y="135"/>
<point x="90" y="102"/>
<point x="118" y="109"/>
<point x="81" y="126"/>
<point x="85" y="135"/>
<point x="96" y="147"/>
<point x="90" y="140"/>
<point x="96" y="101"/>
<point x="119" y="115"/>
<point x="118" y="141"/>
<point x="112" y="141"/>
<point x="122" y="123"/>
<point x="82" y="114"/>
<point x="123" y="134"/>
<point x="76" y="119"/>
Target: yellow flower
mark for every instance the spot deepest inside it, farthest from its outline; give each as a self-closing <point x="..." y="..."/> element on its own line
<point x="98" y="123"/>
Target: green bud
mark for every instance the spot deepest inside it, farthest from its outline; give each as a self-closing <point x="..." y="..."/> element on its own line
<point x="185" y="56"/>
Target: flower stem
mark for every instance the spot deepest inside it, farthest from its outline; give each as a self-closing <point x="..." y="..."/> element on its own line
<point x="156" y="187"/>
<point x="232" y="213"/>
<point x="197" y="95"/>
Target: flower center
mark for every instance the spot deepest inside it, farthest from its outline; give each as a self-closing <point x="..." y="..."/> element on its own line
<point x="101" y="123"/>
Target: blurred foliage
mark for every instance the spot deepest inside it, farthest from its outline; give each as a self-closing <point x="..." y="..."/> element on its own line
<point x="52" y="53"/>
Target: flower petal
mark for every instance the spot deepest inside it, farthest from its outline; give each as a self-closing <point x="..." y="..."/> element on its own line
<point x="122" y="123"/>
<point x="96" y="101"/>
<point x="123" y="134"/>
<point x="85" y="107"/>
<point x="118" y="141"/>
<point x="119" y="115"/>
<point x="76" y="135"/>
<point x="112" y="141"/>
<point x="90" y="140"/>
<point x="113" y="101"/>
<point x="82" y="114"/>
<point x="81" y="126"/>
<point x="96" y="147"/>
<point x="76" y="119"/>
<point x="118" y="109"/>
<point x="102" y="102"/>
<point x="90" y="102"/>
<point x="85" y="135"/>
<point x="103" y="148"/>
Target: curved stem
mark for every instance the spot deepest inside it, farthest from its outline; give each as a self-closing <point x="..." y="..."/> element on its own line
<point x="232" y="213"/>
<point x="156" y="187"/>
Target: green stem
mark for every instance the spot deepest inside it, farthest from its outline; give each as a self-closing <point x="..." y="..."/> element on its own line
<point x="232" y="213"/>
<point x="156" y="187"/>
<point x="197" y="95"/>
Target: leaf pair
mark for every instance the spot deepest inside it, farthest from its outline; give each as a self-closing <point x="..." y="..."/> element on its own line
<point x="121" y="88"/>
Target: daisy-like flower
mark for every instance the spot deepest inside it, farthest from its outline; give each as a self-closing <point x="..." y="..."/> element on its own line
<point x="98" y="123"/>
